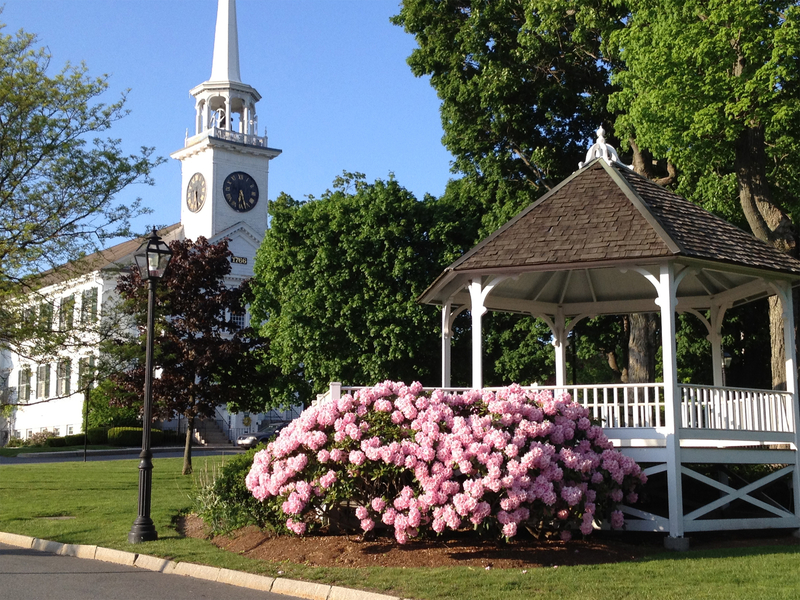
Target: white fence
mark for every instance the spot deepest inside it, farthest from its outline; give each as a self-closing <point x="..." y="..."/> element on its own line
<point x="641" y="405"/>
<point x="738" y="409"/>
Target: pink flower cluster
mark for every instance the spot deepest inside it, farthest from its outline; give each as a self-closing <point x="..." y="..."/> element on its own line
<point x="413" y="461"/>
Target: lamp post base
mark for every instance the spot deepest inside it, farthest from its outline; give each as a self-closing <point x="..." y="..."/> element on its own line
<point x="143" y="530"/>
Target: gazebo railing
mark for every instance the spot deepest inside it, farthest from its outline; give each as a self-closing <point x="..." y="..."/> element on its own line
<point x="641" y="405"/>
<point x="622" y="405"/>
<point x="739" y="409"/>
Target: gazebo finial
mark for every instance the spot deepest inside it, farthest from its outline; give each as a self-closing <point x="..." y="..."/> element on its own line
<point x="602" y="150"/>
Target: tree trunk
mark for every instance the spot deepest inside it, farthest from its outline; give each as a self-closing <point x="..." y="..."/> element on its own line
<point x="642" y="348"/>
<point x="187" y="449"/>
<point x="642" y="327"/>
<point x="768" y="223"/>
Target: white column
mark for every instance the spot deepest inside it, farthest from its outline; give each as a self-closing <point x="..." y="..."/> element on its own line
<point x="446" y="340"/>
<point x="560" y="343"/>
<point x="206" y="116"/>
<point x="784" y="290"/>
<point x="198" y="120"/>
<point x="667" y="301"/>
<point x="715" y="337"/>
<point x="476" y="309"/>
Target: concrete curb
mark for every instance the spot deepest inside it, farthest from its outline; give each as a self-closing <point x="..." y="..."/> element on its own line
<point x="115" y="556"/>
<point x="340" y="593"/>
<point x="246" y="580"/>
<point x="290" y="587"/>
<point x="12" y="539"/>
<point x="301" y="589"/>
<point x="153" y="563"/>
<point x="47" y="546"/>
<point x="188" y="569"/>
<point x="79" y="551"/>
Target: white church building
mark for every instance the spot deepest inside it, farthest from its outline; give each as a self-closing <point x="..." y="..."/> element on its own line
<point x="225" y="176"/>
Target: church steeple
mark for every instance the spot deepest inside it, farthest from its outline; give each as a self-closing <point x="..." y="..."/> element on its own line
<point x="225" y="164"/>
<point x="224" y="103"/>
<point x="225" y="66"/>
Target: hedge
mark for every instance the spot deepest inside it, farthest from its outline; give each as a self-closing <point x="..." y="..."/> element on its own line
<point x="97" y="435"/>
<point x="132" y="436"/>
<point x="76" y="439"/>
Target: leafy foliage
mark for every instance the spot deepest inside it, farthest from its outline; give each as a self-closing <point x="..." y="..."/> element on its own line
<point x="57" y="188"/>
<point x="523" y="85"/>
<point x="223" y="501"/>
<point x="337" y="280"/>
<point x="204" y="355"/>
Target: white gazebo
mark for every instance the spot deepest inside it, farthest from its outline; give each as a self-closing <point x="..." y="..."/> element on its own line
<point x="608" y="241"/>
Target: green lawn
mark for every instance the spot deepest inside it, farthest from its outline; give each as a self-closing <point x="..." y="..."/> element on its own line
<point x="101" y="499"/>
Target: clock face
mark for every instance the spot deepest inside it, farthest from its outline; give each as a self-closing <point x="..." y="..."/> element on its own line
<point x="196" y="192"/>
<point x="240" y="191"/>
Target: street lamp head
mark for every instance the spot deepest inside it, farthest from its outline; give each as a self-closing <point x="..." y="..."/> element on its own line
<point x="727" y="360"/>
<point x="152" y="258"/>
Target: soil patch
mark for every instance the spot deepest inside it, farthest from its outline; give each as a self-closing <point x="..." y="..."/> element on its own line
<point x="460" y="550"/>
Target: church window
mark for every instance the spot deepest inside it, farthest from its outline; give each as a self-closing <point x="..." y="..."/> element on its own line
<point x="86" y="371"/>
<point x="66" y="313"/>
<point x="89" y="305"/>
<point x="64" y="374"/>
<point x="43" y="381"/>
<point x="24" y="384"/>
<point x="238" y="320"/>
<point x="46" y="315"/>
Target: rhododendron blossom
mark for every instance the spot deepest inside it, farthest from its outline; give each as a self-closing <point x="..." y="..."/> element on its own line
<point x="396" y="457"/>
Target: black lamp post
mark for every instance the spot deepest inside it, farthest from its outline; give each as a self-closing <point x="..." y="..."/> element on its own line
<point x="152" y="259"/>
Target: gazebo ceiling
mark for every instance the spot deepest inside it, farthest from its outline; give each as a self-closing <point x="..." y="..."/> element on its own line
<point x="585" y="246"/>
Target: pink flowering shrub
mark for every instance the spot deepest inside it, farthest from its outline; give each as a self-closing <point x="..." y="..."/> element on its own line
<point x="393" y="456"/>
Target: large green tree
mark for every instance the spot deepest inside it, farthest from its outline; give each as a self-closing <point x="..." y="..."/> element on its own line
<point x="337" y="279"/>
<point x="523" y="86"/>
<point x="714" y="87"/>
<point x="58" y="178"/>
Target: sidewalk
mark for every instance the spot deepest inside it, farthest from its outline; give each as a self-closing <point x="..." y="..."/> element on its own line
<point x="134" y="451"/>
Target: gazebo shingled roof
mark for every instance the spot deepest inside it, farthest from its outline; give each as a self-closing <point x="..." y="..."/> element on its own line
<point x="608" y="212"/>
<point x="598" y="222"/>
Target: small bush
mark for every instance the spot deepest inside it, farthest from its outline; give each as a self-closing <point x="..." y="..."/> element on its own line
<point x="132" y="436"/>
<point x="55" y="442"/>
<point x="223" y="501"/>
<point x="97" y="435"/>
<point x="16" y="442"/>
<point x="40" y="438"/>
<point x="76" y="439"/>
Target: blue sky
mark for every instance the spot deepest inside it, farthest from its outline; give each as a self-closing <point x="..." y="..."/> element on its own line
<point x="337" y="92"/>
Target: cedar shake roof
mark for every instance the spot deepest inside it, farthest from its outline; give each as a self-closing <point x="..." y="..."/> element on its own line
<point x="116" y="256"/>
<point x="609" y="213"/>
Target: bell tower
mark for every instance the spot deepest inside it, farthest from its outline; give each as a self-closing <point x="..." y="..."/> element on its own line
<point x="225" y="164"/>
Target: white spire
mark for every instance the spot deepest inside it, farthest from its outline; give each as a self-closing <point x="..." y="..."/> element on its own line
<point x="225" y="66"/>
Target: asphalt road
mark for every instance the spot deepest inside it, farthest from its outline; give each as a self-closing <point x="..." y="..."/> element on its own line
<point x="33" y="574"/>
<point x="95" y="455"/>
